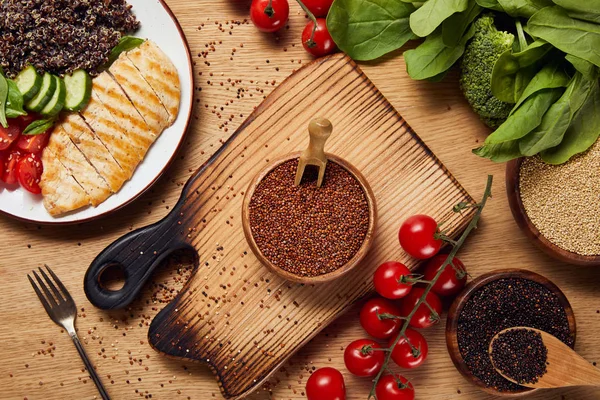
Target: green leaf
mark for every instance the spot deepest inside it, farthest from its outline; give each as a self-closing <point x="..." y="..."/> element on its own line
<point x="433" y="57"/>
<point x="587" y="69"/>
<point x="523" y="8"/>
<point x="426" y="19"/>
<point x="490" y="4"/>
<point x="525" y="118"/>
<point x="39" y="126"/>
<point x="456" y="25"/>
<point x="550" y="77"/>
<point x="368" y="29"/>
<point x="588" y="10"/>
<point x="582" y="133"/>
<point x="3" y="99"/>
<point x="126" y="43"/>
<point x="572" y="36"/>
<point x="499" y="152"/>
<point x="14" y="101"/>
<point x="558" y="118"/>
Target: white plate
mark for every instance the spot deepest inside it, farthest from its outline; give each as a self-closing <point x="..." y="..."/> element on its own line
<point x="158" y="24"/>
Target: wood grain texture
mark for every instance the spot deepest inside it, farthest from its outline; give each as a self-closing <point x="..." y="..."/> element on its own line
<point x="235" y="315"/>
<point x="436" y="110"/>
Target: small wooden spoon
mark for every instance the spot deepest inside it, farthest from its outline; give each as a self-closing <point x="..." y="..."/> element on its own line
<point x="319" y="131"/>
<point x="565" y="367"/>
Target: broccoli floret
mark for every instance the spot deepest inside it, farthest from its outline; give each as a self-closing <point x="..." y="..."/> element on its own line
<point x="477" y="65"/>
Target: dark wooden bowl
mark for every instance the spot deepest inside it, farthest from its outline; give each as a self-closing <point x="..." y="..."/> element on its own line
<point x="463" y="298"/>
<point x="354" y="261"/>
<point x="513" y="169"/>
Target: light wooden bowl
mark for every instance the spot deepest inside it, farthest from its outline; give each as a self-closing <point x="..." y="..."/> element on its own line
<point x="513" y="169"/>
<point x="462" y="299"/>
<point x="354" y="261"/>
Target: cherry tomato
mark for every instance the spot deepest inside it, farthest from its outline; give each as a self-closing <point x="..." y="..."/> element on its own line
<point x="319" y="8"/>
<point x="25" y="120"/>
<point x="9" y="172"/>
<point x="417" y="237"/>
<point x="29" y="172"/>
<point x="10" y="134"/>
<point x="451" y="281"/>
<point x="322" y="43"/>
<point x="372" y="321"/>
<point x="387" y="280"/>
<point x="409" y="353"/>
<point x="326" y="384"/>
<point x="423" y="318"/>
<point x="33" y="143"/>
<point x="392" y="387"/>
<point x="269" y="20"/>
<point x="361" y="359"/>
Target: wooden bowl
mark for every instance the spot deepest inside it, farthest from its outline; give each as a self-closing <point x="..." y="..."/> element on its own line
<point x="513" y="190"/>
<point x="354" y="261"/>
<point x="462" y="299"/>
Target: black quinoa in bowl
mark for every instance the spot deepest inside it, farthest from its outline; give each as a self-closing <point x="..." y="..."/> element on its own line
<point x="60" y="36"/>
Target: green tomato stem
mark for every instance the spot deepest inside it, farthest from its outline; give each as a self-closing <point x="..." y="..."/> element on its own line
<point x="310" y="42"/>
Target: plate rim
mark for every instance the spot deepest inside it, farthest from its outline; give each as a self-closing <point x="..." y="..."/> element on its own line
<point x="188" y="55"/>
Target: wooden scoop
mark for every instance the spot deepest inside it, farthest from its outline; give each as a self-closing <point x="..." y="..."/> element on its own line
<point x="319" y="130"/>
<point x="565" y="367"/>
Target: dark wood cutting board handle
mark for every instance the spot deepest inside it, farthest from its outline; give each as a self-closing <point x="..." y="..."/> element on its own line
<point x="137" y="254"/>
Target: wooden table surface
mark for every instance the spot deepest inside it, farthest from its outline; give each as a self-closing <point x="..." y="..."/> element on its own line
<point x="235" y="67"/>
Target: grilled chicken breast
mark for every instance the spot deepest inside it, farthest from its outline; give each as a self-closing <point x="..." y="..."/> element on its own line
<point x="91" y="154"/>
<point x="160" y="73"/>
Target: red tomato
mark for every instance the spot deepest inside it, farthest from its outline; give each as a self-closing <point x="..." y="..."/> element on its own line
<point x="319" y="8"/>
<point x="417" y="237"/>
<point x="423" y="318"/>
<point x="409" y="353"/>
<point x="361" y="359"/>
<point x="29" y="172"/>
<point x="387" y="280"/>
<point x="10" y="134"/>
<point x="33" y="143"/>
<point x="269" y="20"/>
<point x="326" y="384"/>
<point x="25" y="120"/>
<point x="374" y="324"/>
<point x="322" y="43"/>
<point x="451" y="281"/>
<point x="396" y="387"/>
<point x="9" y="172"/>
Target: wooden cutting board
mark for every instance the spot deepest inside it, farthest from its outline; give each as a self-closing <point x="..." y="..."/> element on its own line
<point x="234" y="314"/>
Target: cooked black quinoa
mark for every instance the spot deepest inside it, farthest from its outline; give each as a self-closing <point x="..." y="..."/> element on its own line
<point x="502" y="304"/>
<point x="59" y="36"/>
<point x="521" y="355"/>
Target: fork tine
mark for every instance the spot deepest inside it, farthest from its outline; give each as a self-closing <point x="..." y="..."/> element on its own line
<point x="49" y="297"/>
<point x="59" y="297"/>
<point x="40" y="295"/>
<point x="65" y="292"/>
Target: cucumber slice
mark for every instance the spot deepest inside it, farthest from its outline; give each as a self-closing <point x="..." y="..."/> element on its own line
<point x="79" y="90"/>
<point x="29" y="82"/>
<point x="44" y="95"/>
<point x="57" y="102"/>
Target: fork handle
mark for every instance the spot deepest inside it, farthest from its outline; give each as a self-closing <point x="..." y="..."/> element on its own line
<point x="90" y="367"/>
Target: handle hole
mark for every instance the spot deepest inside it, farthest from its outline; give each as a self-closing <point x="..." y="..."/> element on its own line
<point x="112" y="278"/>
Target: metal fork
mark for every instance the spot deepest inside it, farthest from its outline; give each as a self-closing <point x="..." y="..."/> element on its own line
<point x="62" y="310"/>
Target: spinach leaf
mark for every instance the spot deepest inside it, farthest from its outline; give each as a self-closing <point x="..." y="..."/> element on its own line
<point x="523" y="8"/>
<point x="558" y="118"/>
<point x="490" y="4"/>
<point x="3" y="98"/>
<point x="588" y="10"/>
<point x="433" y="57"/>
<point x="587" y="69"/>
<point x="456" y="25"/>
<point x="513" y="71"/>
<point x="368" y="29"/>
<point x="499" y="152"/>
<point x="14" y="101"/>
<point x="525" y="118"/>
<point x="126" y="43"/>
<point x="582" y="133"/>
<point x="549" y="77"/>
<point x="427" y="18"/>
<point x="573" y="36"/>
<point x="40" y="126"/>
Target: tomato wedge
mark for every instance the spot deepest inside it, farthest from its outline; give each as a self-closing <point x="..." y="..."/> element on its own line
<point x="29" y="172"/>
<point x="9" y="172"/>
<point x="10" y="134"/>
<point x="33" y="143"/>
